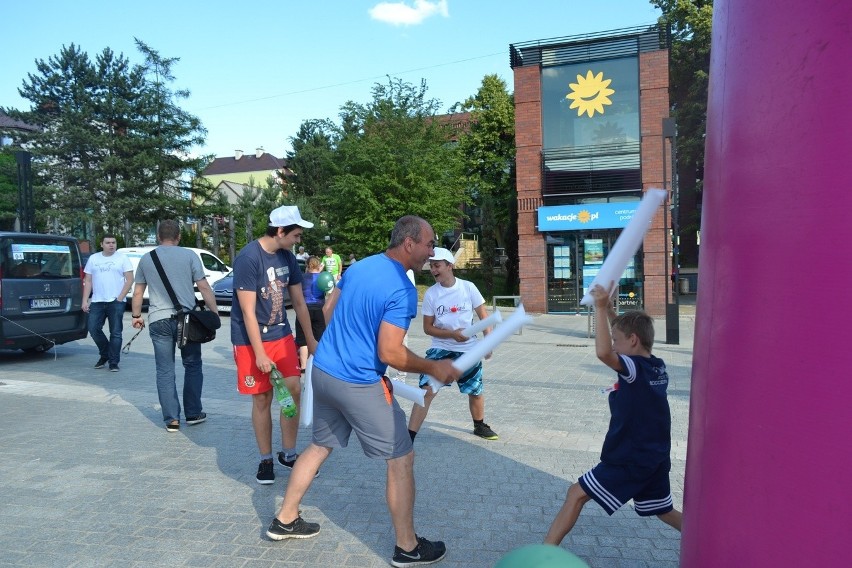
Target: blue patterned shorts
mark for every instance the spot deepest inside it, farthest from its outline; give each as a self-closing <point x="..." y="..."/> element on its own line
<point x="469" y="383"/>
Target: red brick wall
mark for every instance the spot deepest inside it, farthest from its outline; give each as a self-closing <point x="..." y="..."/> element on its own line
<point x="654" y="106"/>
<point x="528" y="142"/>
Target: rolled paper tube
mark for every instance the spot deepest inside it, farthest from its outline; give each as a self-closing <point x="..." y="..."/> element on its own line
<point x="482" y="324"/>
<point x="306" y="415"/>
<point x="487" y="344"/>
<point x="414" y="394"/>
<point x="628" y="242"/>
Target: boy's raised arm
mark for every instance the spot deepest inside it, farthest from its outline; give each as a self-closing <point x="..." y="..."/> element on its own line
<point x="604" y="312"/>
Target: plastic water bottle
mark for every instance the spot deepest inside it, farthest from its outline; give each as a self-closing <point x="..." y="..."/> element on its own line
<point x="285" y="399"/>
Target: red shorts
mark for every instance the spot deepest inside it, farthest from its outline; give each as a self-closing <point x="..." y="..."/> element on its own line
<point x="250" y="379"/>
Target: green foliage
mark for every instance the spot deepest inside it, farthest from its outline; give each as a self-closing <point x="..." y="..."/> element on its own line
<point x="8" y="191"/>
<point x="113" y="143"/>
<point x="690" y="22"/>
<point x="488" y="160"/>
<point x="487" y="239"/>
<point x="386" y="159"/>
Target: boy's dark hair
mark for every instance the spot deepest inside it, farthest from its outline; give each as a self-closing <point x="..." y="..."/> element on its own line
<point x="273" y="231"/>
<point x="637" y="322"/>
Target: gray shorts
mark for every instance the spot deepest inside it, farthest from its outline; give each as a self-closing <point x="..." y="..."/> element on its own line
<point x="370" y="410"/>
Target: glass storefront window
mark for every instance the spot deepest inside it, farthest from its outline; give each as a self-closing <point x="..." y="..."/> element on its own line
<point x="590" y="104"/>
<point x="574" y="259"/>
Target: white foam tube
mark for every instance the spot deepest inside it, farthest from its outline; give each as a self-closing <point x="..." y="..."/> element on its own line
<point x="414" y="394"/>
<point x="306" y="410"/>
<point x="628" y="242"/>
<point x="487" y="344"/>
<point x="482" y="324"/>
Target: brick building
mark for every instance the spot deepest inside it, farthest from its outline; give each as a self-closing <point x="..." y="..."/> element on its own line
<point x="589" y="140"/>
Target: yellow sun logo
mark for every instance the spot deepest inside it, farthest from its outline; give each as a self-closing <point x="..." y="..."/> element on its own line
<point x="590" y="93"/>
<point x="584" y="216"/>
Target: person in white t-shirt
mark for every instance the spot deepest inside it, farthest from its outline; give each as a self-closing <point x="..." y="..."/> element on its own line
<point x="303" y="255"/>
<point x="108" y="278"/>
<point x="448" y="308"/>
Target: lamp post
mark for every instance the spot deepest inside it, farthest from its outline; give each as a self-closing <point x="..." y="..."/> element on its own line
<point x="673" y="307"/>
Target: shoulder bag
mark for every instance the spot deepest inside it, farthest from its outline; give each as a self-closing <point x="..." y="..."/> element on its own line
<point x="195" y="325"/>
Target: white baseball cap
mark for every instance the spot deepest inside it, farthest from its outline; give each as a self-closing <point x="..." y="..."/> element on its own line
<point x="288" y="215"/>
<point x="443" y="254"/>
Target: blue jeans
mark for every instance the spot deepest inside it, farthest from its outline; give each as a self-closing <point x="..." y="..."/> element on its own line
<point x="163" y="336"/>
<point x="99" y="313"/>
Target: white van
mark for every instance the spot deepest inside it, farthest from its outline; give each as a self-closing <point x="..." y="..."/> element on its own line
<point x="214" y="268"/>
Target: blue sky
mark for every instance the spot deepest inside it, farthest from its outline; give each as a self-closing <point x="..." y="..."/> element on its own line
<point x="256" y="70"/>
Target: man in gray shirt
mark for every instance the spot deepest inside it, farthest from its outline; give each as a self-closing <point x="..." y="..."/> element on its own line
<point x="182" y="269"/>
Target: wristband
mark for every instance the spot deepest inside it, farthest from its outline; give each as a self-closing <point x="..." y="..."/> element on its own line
<point x="134" y="317"/>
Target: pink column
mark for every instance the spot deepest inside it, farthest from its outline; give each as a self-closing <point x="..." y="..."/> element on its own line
<point x="769" y="465"/>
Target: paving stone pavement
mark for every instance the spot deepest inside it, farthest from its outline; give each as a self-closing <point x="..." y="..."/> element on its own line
<point x="91" y="478"/>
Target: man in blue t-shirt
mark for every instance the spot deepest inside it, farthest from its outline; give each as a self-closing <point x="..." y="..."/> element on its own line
<point x="369" y="313"/>
<point x="635" y="459"/>
<point x="265" y="271"/>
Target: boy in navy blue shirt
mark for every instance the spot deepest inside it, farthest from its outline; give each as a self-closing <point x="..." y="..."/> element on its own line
<point x="635" y="460"/>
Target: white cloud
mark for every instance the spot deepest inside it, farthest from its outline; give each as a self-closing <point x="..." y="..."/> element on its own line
<point x="401" y="14"/>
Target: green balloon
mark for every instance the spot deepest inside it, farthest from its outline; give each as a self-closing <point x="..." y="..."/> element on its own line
<point x="540" y="556"/>
<point x="325" y="281"/>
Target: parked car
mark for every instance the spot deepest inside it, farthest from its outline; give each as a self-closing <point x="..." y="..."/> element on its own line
<point x="41" y="291"/>
<point x="224" y="291"/>
<point x="214" y="268"/>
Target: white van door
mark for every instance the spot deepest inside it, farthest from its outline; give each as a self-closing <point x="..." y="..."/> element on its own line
<point x="214" y="268"/>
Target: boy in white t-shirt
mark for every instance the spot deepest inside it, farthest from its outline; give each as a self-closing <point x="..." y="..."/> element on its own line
<point x="448" y="308"/>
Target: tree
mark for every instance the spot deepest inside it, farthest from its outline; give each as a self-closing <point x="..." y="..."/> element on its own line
<point x="312" y="159"/>
<point x="171" y="133"/>
<point x="112" y="143"/>
<point x="690" y="22"/>
<point x="488" y="156"/>
<point x="387" y="158"/>
<point x="8" y="191"/>
<point x="65" y="152"/>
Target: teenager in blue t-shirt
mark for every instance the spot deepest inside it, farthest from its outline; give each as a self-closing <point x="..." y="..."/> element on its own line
<point x="265" y="272"/>
<point x="635" y="460"/>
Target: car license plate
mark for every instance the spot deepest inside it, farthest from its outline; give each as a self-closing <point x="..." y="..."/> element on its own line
<point x="44" y="303"/>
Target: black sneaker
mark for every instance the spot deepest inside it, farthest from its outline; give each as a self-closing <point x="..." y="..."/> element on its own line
<point x="101" y="363"/>
<point x="173" y="426"/>
<point x="196" y="419"/>
<point x="483" y="430"/>
<point x="297" y="529"/>
<point x="426" y="552"/>
<point x="291" y="463"/>
<point x="113" y="367"/>
<point x="265" y="473"/>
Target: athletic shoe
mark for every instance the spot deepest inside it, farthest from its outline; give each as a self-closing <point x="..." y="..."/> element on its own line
<point x="101" y="363"/>
<point x="483" y="430"/>
<point x="265" y="473"/>
<point x="297" y="529"/>
<point x="173" y="426"/>
<point x="196" y="419"/>
<point x="113" y="367"/>
<point x="291" y="463"/>
<point x="426" y="552"/>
